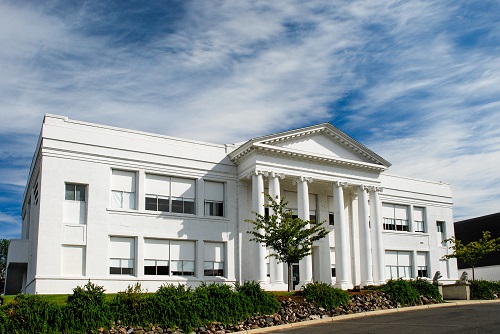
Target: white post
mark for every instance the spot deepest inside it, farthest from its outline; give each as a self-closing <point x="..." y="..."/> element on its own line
<point x="258" y="207"/>
<point x="274" y="191"/>
<point x="341" y="237"/>
<point x="305" y="265"/>
<point x="378" y="250"/>
<point x="365" y="242"/>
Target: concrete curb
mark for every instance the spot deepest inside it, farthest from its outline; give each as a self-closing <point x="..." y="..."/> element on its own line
<point x="368" y="314"/>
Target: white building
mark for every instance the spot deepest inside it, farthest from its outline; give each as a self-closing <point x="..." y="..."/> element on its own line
<point x="118" y="206"/>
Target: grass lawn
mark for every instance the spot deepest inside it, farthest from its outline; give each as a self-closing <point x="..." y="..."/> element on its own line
<point x="57" y="299"/>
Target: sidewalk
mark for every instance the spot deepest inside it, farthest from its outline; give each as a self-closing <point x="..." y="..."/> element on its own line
<point x="447" y="303"/>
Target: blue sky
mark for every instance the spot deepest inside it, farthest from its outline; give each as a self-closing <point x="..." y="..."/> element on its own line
<point x="418" y="82"/>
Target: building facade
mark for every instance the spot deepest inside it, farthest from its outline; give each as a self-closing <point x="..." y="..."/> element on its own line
<point x="118" y="206"/>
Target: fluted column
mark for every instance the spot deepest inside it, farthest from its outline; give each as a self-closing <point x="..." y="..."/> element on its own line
<point x="341" y="237"/>
<point x="258" y="207"/>
<point x="365" y="242"/>
<point x="276" y="267"/>
<point x="378" y="250"/>
<point x="305" y="265"/>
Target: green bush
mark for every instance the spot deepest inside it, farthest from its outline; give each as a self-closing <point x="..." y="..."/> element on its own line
<point x="480" y="289"/>
<point x="172" y="305"/>
<point x="426" y="289"/>
<point x="257" y="300"/>
<point x="401" y="291"/>
<point x="31" y="314"/>
<point x="86" y="309"/>
<point x="219" y="303"/>
<point x="325" y="295"/>
<point x="132" y="306"/>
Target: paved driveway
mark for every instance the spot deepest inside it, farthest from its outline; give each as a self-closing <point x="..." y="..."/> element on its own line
<point x="466" y="318"/>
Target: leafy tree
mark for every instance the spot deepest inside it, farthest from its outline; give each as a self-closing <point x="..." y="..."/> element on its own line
<point x="473" y="251"/>
<point x="4" y="249"/>
<point x="288" y="238"/>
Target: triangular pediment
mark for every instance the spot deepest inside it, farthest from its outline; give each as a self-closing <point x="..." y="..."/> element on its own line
<point x="322" y="142"/>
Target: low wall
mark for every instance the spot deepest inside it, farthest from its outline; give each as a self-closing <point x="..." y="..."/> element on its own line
<point x="455" y="291"/>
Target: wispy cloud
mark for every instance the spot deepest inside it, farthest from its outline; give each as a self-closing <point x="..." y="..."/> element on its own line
<point x="417" y="81"/>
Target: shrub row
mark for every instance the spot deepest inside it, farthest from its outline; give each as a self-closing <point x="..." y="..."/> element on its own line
<point x="480" y="289"/>
<point x="325" y="295"/>
<point x="408" y="292"/>
<point x="171" y="306"/>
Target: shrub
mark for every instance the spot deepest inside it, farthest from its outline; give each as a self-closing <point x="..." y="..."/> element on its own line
<point x="257" y="300"/>
<point x="86" y="309"/>
<point x="480" y="289"/>
<point x="31" y="314"/>
<point x="426" y="289"/>
<point x="132" y="306"/>
<point x="325" y="295"/>
<point x="219" y="303"/>
<point x="172" y="306"/>
<point x="401" y="291"/>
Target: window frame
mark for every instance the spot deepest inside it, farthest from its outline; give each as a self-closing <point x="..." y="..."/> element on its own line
<point x="74" y="192"/>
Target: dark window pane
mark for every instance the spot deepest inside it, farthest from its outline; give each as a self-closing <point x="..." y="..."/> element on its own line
<point x="208" y="272"/>
<point x="331" y="219"/>
<point x="127" y="271"/>
<point x="188" y="206"/>
<point x="334" y="272"/>
<point x="219" y="211"/>
<point x="162" y="270"/>
<point x="149" y="270"/>
<point x="177" y="273"/>
<point x="163" y="204"/>
<point x="151" y="203"/>
<point x="115" y="270"/>
<point x="177" y="206"/>
<point x="70" y="192"/>
<point x="312" y="219"/>
<point x="188" y="273"/>
<point x="219" y="272"/>
<point x="80" y="193"/>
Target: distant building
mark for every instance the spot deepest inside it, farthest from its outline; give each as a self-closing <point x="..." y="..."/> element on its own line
<point x="488" y="268"/>
<point x="119" y="206"/>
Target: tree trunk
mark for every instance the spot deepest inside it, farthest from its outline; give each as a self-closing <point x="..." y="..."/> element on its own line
<point x="473" y="272"/>
<point x="290" y="280"/>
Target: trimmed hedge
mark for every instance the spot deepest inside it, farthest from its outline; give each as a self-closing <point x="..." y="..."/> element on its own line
<point x="480" y="289"/>
<point x="325" y="295"/>
<point x="171" y="306"/>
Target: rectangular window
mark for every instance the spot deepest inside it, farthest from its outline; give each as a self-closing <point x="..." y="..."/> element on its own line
<point x="398" y="264"/>
<point x="291" y="198"/>
<point x="123" y="189"/>
<point x="182" y="257"/>
<point x="418" y="219"/>
<point x="441" y="231"/>
<point x="170" y="194"/>
<point x="122" y="256"/>
<point x="422" y="264"/>
<point x="214" y="198"/>
<point x="156" y="257"/>
<point x="332" y="262"/>
<point x="395" y="217"/>
<point x="75" y="192"/>
<point x="331" y="216"/>
<point x="213" y="259"/>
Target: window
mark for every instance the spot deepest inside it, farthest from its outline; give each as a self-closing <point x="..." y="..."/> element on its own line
<point x="441" y="232"/>
<point x="182" y="257"/>
<point x="214" y="259"/>
<point x="75" y="207"/>
<point x="122" y="256"/>
<point x="123" y="189"/>
<point x="156" y="257"/>
<point x="398" y="264"/>
<point x="291" y="198"/>
<point x="75" y="192"/>
<point x="331" y="216"/>
<point x="332" y="262"/>
<point x="422" y="264"/>
<point x="170" y="194"/>
<point x="395" y="217"/>
<point x="214" y="199"/>
<point x="418" y="219"/>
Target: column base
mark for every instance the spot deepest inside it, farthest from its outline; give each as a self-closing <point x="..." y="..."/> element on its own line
<point x="343" y="285"/>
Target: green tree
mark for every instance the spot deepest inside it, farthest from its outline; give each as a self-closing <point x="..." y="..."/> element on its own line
<point x="4" y="249"/>
<point x="473" y="251"/>
<point x="289" y="239"/>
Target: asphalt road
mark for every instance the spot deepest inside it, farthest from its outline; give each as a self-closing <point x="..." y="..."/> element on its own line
<point x="471" y="318"/>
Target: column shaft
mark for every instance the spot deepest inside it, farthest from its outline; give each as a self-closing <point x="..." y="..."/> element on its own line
<point x="275" y="267"/>
<point x="378" y="250"/>
<point x="341" y="238"/>
<point x="258" y="206"/>
<point x="305" y="265"/>
<point x="365" y="242"/>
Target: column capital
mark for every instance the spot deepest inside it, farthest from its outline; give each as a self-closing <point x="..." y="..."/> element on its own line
<point x="375" y="189"/>
<point x="302" y="179"/>
<point x="257" y="172"/>
<point x="278" y="175"/>
<point x="340" y="184"/>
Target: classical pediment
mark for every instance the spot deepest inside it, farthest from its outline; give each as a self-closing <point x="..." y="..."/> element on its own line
<point x="322" y="142"/>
